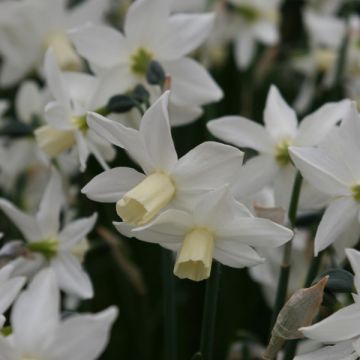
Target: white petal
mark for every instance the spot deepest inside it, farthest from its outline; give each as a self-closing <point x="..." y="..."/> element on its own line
<point x="92" y="11"/>
<point x="27" y="224"/>
<point x="266" y="32"/>
<point x="245" y="47"/>
<point x="191" y="84"/>
<point x="207" y="166"/>
<point x="9" y="291"/>
<point x="52" y="201"/>
<point x="321" y="171"/>
<point x="6" y="350"/>
<point x="101" y="45"/>
<point x="236" y="254"/>
<point x="111" y="185"/>
<point x="315" y="127"/>
<point x="28" y="101"/>
<point x="336" y="219"/>
<point x="76" y="231"/>
<point x="279" y="118"/>
<point x="83" y="150"/>
<point x="54" y="80"/>
<point x="192" y="30"/>
<point x="172" y="222"/>
<point x="341" y="351"/>
<point x="57" y="115"/>
<point x="354" y="258"/>
<point x="71" y="277"/>
<point x="156" y="133"/>
<point x="342" y="325"/>
<point x="39" y="304"/>
<point x="283" y="185"/>
<point x="183" y="115"/>
<point x="83" y="337"/>
<point x="216" y="207"/>
<point x="257" y="172"/>
<point x="168" y="241"/>
<point x="122" y="136"/>
<point x="146" y="20"/>
<point x="255" y="232"/>
<point x="241" y="132"/>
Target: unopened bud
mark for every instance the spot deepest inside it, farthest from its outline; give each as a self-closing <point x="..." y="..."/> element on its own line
<point x="300" y="310"/>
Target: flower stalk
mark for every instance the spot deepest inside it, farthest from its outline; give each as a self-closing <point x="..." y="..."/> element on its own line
<point x="285" y="265"/>
<point x="209" y="314"/>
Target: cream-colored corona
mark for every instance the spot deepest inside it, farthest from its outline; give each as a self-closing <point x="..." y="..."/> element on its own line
<point x="195" y="256"/>
<point x="64" y="52"/>
<point x="144" y="201"/>
<point x="54" y="141"/>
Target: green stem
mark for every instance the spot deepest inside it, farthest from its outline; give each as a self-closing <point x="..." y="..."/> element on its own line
<point x="169" y="308"/>
<point x="209" y="314"/>
<point x="285" y="265"/>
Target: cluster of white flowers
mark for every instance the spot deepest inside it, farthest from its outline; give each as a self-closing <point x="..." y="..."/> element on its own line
<point x="85" y="88"/>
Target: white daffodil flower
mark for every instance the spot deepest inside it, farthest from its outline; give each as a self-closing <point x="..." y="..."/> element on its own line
<point x="75" y="94"/>
<point x="9" y="289"/>
<point x="29" y="27"/>
<point x="151" y="33"/>
<point x="253" y="21"/>
<point x="281" y="130"/>
<point x="38" y="333"/>
<point x="50" y="246"/>
<point x="218" y="227"/>
<point x="167" y="181"/>
<point x="342" y="327"/>
<point x="333" y="169"/>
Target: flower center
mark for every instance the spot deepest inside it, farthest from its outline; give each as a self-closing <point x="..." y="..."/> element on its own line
<point x="248" y="13"/>
<point x="195" y="256"/>
<point x="140" y="61"/>
<point x="79" y="122"/>
<point x="64" y="52"/>
<point x="47" y="247"/>
<point x="144" y="201"/>
<point x="356" y="192"/>
<point x="54" y="141"/>
<point x="324" y="59"/>
<point x="282" y="152"/>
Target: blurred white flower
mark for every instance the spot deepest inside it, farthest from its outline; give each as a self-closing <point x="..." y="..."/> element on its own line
<point x="167" y="181"/>
<point x="333" y="169"/>
<point x="29" y="27"/>
<point x="342" y="327"/>
<point x="281" y="130"/>
<point x="9" y="289"/>
<point x="151" y="33"/>
<point x="38" y="332"/>
<point x="218" y="227"/>
<point x="48" y="245"/>
<point x="252" y="21"/>
<point x="75" y="94"/>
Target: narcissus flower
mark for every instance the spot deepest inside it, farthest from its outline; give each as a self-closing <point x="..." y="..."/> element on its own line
<point x="218" y="227"/>
<point x="38" y="333"/>
<point x="334" y="169"/>
<point x="75" y="94"/>
<point x="272" y="141"/>
<point x="151" y="33"/>
<point x="50" y="246"/>
<point x="167" y="181"/>
<point x="253" y="21"/>
<point x="342" y="327"/>
<point x="29" y="27"/>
